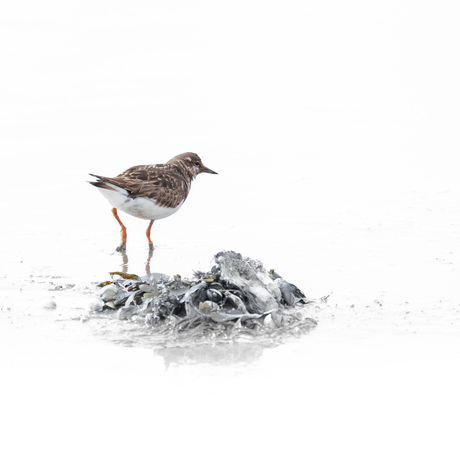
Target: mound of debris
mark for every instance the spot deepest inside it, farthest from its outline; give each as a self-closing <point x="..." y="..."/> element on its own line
<point x="237" y="296"/>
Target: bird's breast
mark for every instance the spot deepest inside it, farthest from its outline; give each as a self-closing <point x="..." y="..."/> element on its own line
<point x="146" y="208"/>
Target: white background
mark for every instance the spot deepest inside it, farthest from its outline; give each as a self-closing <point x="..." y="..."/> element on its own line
<point x="334" y="129"/>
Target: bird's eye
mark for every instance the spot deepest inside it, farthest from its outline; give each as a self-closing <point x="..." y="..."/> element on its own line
<point x="197" y="163"/>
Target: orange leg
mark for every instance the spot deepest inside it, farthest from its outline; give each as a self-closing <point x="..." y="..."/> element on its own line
<point x="148" y="233"/>
<point x="122" y="246"/>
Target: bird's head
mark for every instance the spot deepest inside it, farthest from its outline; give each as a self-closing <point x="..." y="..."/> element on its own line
<point x="192" y="163"/>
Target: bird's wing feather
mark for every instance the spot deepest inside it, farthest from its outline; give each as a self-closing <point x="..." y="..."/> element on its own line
<point x="160" y="182"/>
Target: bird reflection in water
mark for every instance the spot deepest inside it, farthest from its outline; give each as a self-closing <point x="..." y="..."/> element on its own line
<point x="124" y="260"/>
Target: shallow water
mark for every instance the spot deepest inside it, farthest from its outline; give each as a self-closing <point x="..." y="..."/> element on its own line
<point x="382" y="362"/>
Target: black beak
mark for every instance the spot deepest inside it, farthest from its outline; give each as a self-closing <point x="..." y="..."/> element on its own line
<point x="207" y="170"/>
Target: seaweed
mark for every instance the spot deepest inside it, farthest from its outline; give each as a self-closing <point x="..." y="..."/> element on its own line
<point x="237" y="297"/>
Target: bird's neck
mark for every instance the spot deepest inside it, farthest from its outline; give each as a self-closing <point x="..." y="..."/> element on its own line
<point x="186" y="172"/>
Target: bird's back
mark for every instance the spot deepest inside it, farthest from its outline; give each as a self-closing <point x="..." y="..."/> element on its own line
<point x="164" y="183"/>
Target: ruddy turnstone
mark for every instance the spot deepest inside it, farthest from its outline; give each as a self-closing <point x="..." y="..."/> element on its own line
<point x="151" y="192"/>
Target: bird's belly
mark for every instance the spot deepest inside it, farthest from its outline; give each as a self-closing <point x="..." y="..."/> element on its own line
<point x="145" y="208"/>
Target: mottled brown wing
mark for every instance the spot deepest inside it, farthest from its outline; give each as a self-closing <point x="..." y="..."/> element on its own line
<point x="163" y="196"/>
<point x="143" y="172"/>
<point x="159" y="175"/>
<point x="163" y="183"/>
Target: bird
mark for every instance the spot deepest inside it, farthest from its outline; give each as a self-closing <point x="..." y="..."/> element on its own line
<point x="151" y="192"/>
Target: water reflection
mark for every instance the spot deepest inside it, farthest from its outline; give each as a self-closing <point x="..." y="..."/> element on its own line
<point x="147" y="264"/>
<point x="125" y="260"/>
<point x="220" y="354"/>
<point x="193" y="349"/>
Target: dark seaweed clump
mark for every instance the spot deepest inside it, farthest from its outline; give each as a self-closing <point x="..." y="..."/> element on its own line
<point x="237" y="297"/>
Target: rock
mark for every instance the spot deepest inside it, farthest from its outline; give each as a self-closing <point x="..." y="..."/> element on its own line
<point x="96" y="304"/>
<point x="50" y="304"/>
<point x="108" y="292"/>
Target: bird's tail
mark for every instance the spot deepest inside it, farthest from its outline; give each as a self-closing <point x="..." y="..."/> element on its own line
<point x="101" y="182"/>
<point x="116" y="195"/>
